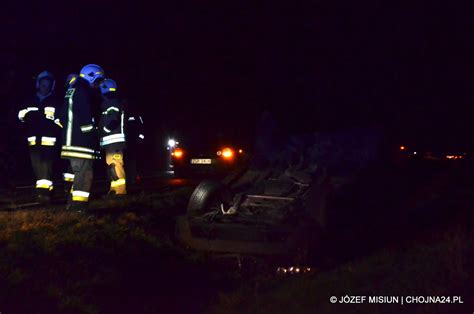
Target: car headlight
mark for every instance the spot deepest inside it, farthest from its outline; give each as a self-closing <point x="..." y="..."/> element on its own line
<point x="172" y="143"/>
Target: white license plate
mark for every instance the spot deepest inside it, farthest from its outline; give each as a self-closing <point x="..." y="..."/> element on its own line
<point x="201" y="161"/>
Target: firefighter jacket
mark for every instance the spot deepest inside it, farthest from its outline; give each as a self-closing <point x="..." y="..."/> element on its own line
<point x="112" y="124"/>
<point x="78" y="116"/>
<point x="38" y="115"/>
<point x="135" y="128"/>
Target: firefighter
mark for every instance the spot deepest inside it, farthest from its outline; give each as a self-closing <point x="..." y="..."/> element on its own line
<point x="135" y="140"/>
<point x="39" y="116"/>
<point x="80" y="141"/>
<point x="112" y="136"/>
<point x="68" y="175"/>
<point x="70" y="79"/>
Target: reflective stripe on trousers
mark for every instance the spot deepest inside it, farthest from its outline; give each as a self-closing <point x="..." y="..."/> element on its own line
<point x="80" y="196"/>
<point x="44" y="184"/>
<point x="68" y="177"/>
<point x="48" y="141"/>
<point x="118" y="186"/>
<point x="45" y="141"/>
<point x="77" y="155"/>
<point x="83" y="175"/>
<point x="117" y="183"/>
<point x="32" y="140"/>
<point x="78" y="152"/>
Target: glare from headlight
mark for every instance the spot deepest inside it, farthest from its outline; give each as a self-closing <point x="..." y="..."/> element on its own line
<point x="171" y="143"/>
<point x="227" y="153"/>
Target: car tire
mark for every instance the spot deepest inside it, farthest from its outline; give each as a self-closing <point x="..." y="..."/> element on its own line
<point x="207" y="193"/>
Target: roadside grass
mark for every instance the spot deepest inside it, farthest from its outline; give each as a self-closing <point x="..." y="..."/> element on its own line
<point x="63" y="262"/>
<point x="435" y="264"/>
<point x="122" y="259"/>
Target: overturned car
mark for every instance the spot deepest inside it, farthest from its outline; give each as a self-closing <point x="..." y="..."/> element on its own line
<point x="279" y="205"/>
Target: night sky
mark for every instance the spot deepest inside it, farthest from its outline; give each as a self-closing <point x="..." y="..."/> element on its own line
<point x="207" y="65"/>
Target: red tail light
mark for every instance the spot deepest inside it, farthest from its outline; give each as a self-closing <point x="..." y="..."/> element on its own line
<point x="227" y="153"/>
<point x="177" y="153"/>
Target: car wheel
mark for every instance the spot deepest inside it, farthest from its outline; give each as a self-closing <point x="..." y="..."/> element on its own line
<point x="207" y="196"/>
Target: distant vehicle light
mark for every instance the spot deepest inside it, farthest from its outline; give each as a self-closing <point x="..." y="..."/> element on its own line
<point x="227" y="153"/>
<point x="172" y="143"/>
<point x="240" y="151"/>
<point x="177" y="153"/>
<point x="294" y="270"/>
<point x="414" y="153"/>
<point x="402" y="147"/>
<point x="219" y="153"/>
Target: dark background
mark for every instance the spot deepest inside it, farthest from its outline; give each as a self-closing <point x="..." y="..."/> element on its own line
<point x="205" y="66"/>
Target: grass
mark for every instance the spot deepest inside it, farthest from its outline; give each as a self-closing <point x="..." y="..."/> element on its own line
<point x="123" y="260"/>
<point x="57" y="259"/>
<point x="441" y="266"/>
<point x="62" y="262"/>
<point x="431" y="255"/>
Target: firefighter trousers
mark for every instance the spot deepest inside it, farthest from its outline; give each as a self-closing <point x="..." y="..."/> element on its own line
<point x="116" y="171"/>
<point x="42" y="163"/>
<point x="83" y="174"/>
<point x="68" y="176"/>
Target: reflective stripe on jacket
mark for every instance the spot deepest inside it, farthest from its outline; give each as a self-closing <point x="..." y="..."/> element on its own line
<point x="77" y="117"/>
<point x="38" y="116"/>
<point x="112" y="124"/>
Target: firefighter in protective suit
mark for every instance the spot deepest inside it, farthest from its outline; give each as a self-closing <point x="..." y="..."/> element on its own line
<point x="80" y="142"/>
<point x="135" y="144"/>
<point x="39" y="115"/>
<point x="68" y="175"/>
<point x="112" y="136"/>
